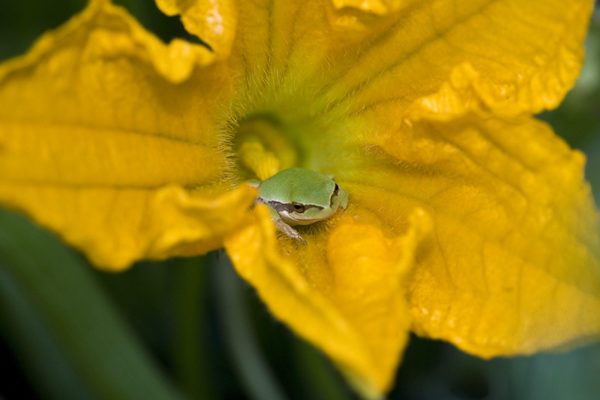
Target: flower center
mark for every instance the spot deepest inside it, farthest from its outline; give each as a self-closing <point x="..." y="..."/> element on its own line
<point x="262" y="148"/>
<point x="277" y="127"/>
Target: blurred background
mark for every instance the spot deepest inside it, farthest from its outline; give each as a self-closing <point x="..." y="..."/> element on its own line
<point x="191" y="329"/>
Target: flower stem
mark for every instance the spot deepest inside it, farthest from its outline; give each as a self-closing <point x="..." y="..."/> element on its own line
<point x="318" y="373"/>
<point x="191" y="350"/>
<point x="56" y="284"/>
<point x="253" y="369"/>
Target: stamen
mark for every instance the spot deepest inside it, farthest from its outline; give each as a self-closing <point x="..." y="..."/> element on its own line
<point x="263" y="148"/>
<point x="259" y="160"/>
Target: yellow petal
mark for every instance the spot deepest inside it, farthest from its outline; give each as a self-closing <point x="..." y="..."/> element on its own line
<point x="379" y="7"/>
<point x="98" y="142"/>
<point x="213" y="21"/>
<point x="436" y="56"/>
<point x="442" y="57"/>
<point x="514" y="264"/>
<point x="118" y="226"/>
<point x="344" y="291"/>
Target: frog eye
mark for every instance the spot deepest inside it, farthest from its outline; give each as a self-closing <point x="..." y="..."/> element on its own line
<point x="336" y="189"/>
<point x="299" y="208"/>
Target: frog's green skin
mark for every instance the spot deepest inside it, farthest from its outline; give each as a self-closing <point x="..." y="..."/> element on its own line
<point x="298" y="196"/>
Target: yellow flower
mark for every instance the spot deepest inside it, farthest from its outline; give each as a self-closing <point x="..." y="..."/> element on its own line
<point x="468" y="219"/>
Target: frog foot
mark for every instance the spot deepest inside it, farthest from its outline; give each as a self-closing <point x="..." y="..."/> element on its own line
<point x="288" y="230"/>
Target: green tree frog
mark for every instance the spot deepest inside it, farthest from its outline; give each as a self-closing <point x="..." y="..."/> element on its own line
<point x="298" y="196"/>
